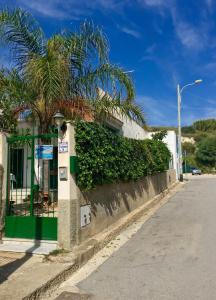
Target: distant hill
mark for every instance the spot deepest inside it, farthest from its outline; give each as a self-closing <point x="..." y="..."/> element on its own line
<point x="198" y="130"/>
<point x="208" y="125"/>
<point x="159" y="128"/>
<point x="201" y="152"/>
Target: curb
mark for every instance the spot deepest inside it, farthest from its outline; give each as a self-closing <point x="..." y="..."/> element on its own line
<point x="87" y="250"/>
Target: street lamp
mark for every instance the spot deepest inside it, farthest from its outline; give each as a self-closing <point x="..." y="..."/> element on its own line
<point x="130" y="71"/>
<point x="58" y="118"/>
<point x="179" y="93"/>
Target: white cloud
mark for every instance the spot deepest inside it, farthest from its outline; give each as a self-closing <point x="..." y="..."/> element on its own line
<point x="158" y="111"/>
<point x="163" y="112"/>
<point x="209" y="113"/>
<point x="153" y="2"/>
<point x="71" y="9"/>
<point x="211" y="66"/>
<point x="135" y="33"/>
<point x="49" y="9"/>
<point x="211" y="101"/>
<point x="151" y="49"/>
<point x="157" y="3"/>
<point x="189" y="36"/>
<point x="209" y="3"/>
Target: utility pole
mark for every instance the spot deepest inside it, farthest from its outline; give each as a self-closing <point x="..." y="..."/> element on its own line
<point x="180" y="173"/>
<point x="179" y="93"/>
<point x="185" y="164"/>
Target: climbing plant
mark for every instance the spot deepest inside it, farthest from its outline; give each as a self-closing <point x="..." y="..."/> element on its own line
<point x="105" y="157"/>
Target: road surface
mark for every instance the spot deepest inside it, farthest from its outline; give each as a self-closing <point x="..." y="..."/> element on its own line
<point x="171" y="256"/>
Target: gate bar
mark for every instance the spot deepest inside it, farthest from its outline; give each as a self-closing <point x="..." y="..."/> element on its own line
<point x="32" y="177"/>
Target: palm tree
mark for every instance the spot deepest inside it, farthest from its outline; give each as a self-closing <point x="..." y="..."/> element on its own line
<point x="14" y="95"/>
<point x="64" y="71"/>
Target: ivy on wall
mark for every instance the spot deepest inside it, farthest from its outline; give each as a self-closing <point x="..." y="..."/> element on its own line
<point x="105" y="157"/>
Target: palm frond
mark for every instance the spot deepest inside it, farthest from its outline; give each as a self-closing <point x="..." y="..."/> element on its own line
<point x="111" y="78"/>
<point x="94" y="40"/>
<point x="134" y="111"/>
<point x="63" y="72"/>
<point x="21" y="31"/>
<point x="14" y="89"/>
<point x="49" y="75"/>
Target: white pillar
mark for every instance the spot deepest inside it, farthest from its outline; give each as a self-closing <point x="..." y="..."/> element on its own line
<point x="68" y="195"/>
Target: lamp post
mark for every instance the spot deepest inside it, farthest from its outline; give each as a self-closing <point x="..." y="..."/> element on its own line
<point x="130" y="71"/>
<point x="179" y="94"/>
<point x="58" y="118"/>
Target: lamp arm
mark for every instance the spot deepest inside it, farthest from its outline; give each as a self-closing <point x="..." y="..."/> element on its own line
<point x="189" y="84"/>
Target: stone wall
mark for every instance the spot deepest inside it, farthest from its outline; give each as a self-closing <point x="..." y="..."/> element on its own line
<point x="111" y="202"/>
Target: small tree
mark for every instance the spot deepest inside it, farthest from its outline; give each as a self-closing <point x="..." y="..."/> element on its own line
<point x="159" y="136"/>
<point x="206" y="152"/>
<point x="189" y="148"/>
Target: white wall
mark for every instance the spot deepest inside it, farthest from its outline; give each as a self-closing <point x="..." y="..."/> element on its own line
<point x="171" y="141"/>
<point x="131" y="129"/>
<point x="128" y="128"/>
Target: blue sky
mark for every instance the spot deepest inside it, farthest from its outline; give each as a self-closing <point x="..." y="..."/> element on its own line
<point x="165" y="42"/>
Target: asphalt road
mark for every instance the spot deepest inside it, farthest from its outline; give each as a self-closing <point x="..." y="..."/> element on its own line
<point x="172" y="255"/>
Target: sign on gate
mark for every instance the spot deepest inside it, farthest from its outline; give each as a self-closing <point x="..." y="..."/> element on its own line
<point x="44" y="151"/>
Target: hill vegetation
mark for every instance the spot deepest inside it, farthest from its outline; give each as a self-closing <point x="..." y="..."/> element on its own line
<point x="202" y="153"/>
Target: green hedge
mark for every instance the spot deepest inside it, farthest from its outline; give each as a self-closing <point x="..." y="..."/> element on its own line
<point x="105" y="157"/>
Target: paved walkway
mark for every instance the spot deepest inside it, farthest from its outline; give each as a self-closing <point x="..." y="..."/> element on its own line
<point x="21" y="274"/>
<point x="172" y="256"/>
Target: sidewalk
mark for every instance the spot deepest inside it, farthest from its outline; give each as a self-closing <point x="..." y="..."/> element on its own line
<point x="23" y="276"/>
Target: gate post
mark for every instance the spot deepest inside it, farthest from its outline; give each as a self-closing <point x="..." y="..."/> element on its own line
<point x="3" y="178"/>
<point x="68" y="195"/>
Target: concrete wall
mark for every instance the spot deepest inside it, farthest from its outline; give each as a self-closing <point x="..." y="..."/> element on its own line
<point x="111" y="202"/>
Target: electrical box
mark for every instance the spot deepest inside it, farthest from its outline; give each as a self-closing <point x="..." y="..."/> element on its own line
<point x="85" y="215"/>
<point x="63" y="173"/>
<point x="74" y="167"/>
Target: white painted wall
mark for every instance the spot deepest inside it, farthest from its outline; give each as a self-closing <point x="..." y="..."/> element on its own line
<point x="171" y="141"/>
<point x="131" y="129"/>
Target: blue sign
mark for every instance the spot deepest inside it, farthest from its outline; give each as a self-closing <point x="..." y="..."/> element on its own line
<point x="44" y="151"/>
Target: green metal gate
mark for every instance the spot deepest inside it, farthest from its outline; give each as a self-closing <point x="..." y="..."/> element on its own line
<point x="32" y="177"/>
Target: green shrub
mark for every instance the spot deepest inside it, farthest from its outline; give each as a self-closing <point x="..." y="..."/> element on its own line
<point x="105" y="157"/>
<point x="206" y="152"/>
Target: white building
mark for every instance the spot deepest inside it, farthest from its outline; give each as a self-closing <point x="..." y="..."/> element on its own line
<point x="126" y="127"/>
<point x="123" y="124"/>
<point x="171" y="141"/>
